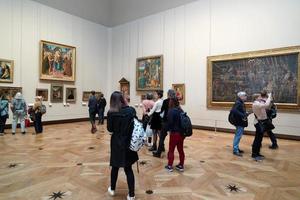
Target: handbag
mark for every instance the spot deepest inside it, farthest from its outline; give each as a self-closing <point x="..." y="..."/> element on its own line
<point x="149" y="131"/>
<point x="27" y="123"/>
<point x="267" y="125"/>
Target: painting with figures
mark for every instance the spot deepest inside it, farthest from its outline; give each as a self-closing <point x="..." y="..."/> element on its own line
<point x="149" y="73"/>
<point x="6" y="71"/>
<point x="276" y="71"/>
<point x="10" y="92"/>
<point x="57" y="62"/>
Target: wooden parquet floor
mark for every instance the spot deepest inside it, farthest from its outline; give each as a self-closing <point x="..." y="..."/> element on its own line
<point x="67" y="158"/>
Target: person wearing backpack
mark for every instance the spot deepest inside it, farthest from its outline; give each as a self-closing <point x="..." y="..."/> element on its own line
<point x="37" y="109"/>
<point x="101" y="108"/>
<point x="19" y="109"/>
<point x="240" y="121"/>
<point x="271" y="114"/>
<point x="176" y="136"/>
<point x="120" y="123"/>
<point x="3" y="113"/>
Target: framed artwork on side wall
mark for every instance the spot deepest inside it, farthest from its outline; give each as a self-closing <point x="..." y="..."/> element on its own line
<point x="10" y="92"/>
<point x="125" y="87"/>
<point x="57" y="93"/>
<point x="71" y="95"/>
<point x="274" y="70"/>
<point x="149" y="73"/>
<point x="43" y="93"/>
<point x="6" y="71"/>
<point x="180" y="92"/>
<point x="86" y="95"/>
<point x="57" y="61"/>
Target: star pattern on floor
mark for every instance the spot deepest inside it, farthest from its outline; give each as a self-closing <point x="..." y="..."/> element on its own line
<point x="12" y="165"/>
<point x="56" y="195"/>
<point x="232" y="188"/>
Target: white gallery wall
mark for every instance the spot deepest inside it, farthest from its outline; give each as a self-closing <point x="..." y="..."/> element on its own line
<point x="24" y="23"/>
<point x="188" y="34"/>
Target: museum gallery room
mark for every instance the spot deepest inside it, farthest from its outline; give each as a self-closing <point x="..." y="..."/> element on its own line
<point x="150" y="99"/>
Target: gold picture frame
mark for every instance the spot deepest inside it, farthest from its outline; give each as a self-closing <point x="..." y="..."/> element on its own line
<point x="276" y="70"/>
<point x="71" y="94"/>
<point x="10" y="92"/>
<point x="57" y="93"/>
<point x="86" y="95"/>
<point x="43" y="93"/>
<point x="6" y="71"/>
<point x="149" y="73"/>
<point x="57" y="61"/>
<point x="180" y="92"/>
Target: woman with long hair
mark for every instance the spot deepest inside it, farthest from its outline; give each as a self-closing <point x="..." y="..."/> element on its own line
<point x="156" y="121"/>
<point x="176" y="137"/>
<point x="120" y="123"/>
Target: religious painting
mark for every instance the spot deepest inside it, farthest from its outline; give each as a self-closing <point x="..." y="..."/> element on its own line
<point x="57" y="93"/>
<point x="125" y="87"/>
<point x="6" y="71"/>
<point x="10" y="92"/>
<point x="42" y="93"/>
<point x="86" y="96"/>
<point x="71" y="95"/>
<point x="149" y="73"/>
<point x="57" y="61"/>
<point x="274" y="70"/>
<point x="180" y="92"/>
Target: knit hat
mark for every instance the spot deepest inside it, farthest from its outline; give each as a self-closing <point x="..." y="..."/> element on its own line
<point x="241" y="94"/>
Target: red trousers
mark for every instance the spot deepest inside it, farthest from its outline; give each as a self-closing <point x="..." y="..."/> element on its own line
<point x="176" y="140"/>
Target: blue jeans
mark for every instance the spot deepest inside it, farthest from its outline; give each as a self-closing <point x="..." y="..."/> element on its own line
<point x="236" y="140"/>
<point x="18" y="116"/>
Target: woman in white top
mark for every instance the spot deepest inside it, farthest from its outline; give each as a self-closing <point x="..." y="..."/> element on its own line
<point x="156" y="121"/>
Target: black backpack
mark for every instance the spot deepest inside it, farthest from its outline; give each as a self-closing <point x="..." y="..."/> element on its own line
<point x="231" y="116"/>
<point x="186" y="125"/>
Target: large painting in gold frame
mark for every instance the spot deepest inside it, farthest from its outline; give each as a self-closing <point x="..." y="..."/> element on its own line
<point x="276" y="70"/>
<point x="149" y="73"/>
<point x="57" y="61"/>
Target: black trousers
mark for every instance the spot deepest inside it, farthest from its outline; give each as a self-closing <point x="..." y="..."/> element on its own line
<point x="2" y="123"/>
<point x="101" y="115"/>
<point x="272" y="138"/>
<point x="129" y="175"/>
<point x="259" y="134"/>
<point x="162" y="137"/>
<point x="38" y="126"/>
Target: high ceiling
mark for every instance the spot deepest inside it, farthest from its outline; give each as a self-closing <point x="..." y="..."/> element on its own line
<point x="113" y="12"/>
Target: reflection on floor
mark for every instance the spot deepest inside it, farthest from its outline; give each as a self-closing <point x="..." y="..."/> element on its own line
<point x="67" y="162"/>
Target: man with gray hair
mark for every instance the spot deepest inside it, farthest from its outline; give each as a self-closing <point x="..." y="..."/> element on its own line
<point x="19" y="109"/>
<point x="239" y="115"/>
<point x="164" y="130"/>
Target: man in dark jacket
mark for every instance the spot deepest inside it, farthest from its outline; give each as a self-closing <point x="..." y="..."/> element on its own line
<point x="101" y="108"/>
<point x="240" y="116"/>
<point x="164" y="130"/>
<point x="93" y="111"/>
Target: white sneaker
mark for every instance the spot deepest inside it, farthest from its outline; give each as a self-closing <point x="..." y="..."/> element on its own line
<point x="130" y="198"/>
<point x="111" y="192"/>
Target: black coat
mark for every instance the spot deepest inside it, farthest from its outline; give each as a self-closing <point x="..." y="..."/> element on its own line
<point x="240" y="115"/>
<point x="120" y="124"/>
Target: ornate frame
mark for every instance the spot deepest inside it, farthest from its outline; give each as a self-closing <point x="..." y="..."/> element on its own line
<point x="182" y="85"/>
<point x="161" y="71"/>
<point x="11" y="80"/>
<point x="42" y="77"/>
<point x="252" y="54"/>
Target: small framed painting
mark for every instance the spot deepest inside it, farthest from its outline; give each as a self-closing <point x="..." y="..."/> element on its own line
<point x="180" y="92"/>
<point x="10" y="92"/>
<point x="6" y="71"/>
<point x="57" y="93"/>
<point x="42" y="93"/>
<point x="86" y="96"/>
<point x="71" y="95"/>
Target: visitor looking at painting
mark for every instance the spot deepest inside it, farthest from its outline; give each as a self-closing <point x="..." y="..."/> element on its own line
<point x="3" y="113"/>
<point x="155" y="123"/>
<point x="93" y="105"/>
<point x="19" y="109"/>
